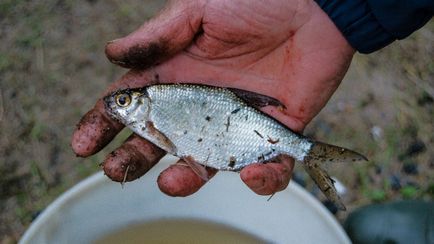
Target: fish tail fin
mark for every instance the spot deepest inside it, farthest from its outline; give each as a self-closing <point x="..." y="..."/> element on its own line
<point x="321" y="153"/>
<point x="329" y="153"/>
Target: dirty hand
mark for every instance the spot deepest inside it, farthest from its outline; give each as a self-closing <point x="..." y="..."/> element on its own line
<point x="286" y="49"/>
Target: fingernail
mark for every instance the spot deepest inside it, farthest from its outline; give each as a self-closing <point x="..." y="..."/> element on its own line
<point x="115" y="40"/>
<point x="117" y="62"/>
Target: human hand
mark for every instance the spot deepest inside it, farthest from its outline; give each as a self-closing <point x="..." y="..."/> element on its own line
<point x="286" y="49"/>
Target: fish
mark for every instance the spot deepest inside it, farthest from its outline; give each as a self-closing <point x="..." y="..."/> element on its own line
<point x="221" y="128"/>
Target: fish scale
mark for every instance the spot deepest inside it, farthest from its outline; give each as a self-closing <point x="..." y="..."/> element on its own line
<point x="219" y="128"/>
<point x="226" y="135"/>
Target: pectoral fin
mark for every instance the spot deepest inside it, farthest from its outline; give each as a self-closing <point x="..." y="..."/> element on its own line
<point x="160" y="139"/>
<point x="255" y="99"/>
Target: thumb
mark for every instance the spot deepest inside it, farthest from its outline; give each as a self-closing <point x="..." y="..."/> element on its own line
<point x="160" y="38"/>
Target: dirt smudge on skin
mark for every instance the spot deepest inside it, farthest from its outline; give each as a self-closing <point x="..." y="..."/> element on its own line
<point x="136" y="155"/>
<point x="124" y="165"/>
<point x="142" y="57"/>
<point x="93" y="132"/>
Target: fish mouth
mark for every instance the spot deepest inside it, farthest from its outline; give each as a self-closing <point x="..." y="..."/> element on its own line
<point x="109" y="105"/>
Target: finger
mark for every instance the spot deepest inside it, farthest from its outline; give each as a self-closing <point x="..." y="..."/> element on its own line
<point x="179" y="180"/>
<point x="131" y="160"/>
<point x="96" y="129"/>
<point x="266" y="179"/>
<point x="173" y="29"/>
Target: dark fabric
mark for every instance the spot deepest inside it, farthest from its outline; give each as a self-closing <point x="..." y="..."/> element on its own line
<point x="369" y="25"/>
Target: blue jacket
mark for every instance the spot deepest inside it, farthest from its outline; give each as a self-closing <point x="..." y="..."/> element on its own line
<point x="369" y="25"/>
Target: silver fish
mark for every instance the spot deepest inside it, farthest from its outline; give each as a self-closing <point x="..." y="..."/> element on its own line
<point x="221" y="128"/>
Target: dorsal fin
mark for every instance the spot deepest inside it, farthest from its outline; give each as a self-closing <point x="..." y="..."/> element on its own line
<point x="255" y="99"/>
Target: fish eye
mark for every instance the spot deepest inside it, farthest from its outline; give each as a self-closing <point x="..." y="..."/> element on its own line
<point x="123" y="100"/>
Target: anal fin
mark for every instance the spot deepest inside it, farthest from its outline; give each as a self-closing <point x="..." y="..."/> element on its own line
<point x="325" y="183"/>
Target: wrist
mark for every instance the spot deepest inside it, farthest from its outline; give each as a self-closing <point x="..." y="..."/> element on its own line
<point x="329" y="35"/>
<point x="357" y="23"/>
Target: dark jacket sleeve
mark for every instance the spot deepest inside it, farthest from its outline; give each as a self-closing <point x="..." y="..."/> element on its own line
<point x="369" y="25"/>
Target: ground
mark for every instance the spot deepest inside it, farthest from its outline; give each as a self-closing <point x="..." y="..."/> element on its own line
<point x="52" y="69"/>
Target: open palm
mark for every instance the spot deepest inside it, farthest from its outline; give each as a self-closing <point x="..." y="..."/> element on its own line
<point x="289" y="50"/>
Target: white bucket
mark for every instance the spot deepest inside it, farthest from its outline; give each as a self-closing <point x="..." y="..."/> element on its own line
<point x="97" y="207"/>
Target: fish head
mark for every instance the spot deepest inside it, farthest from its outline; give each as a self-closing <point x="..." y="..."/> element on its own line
<point x="127" y="106"/>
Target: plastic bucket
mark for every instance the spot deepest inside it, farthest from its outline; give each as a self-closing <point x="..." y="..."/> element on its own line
<point x="97" y="207"/>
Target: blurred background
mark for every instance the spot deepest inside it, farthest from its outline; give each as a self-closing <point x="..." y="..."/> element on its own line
<point x="53" y="68"/>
